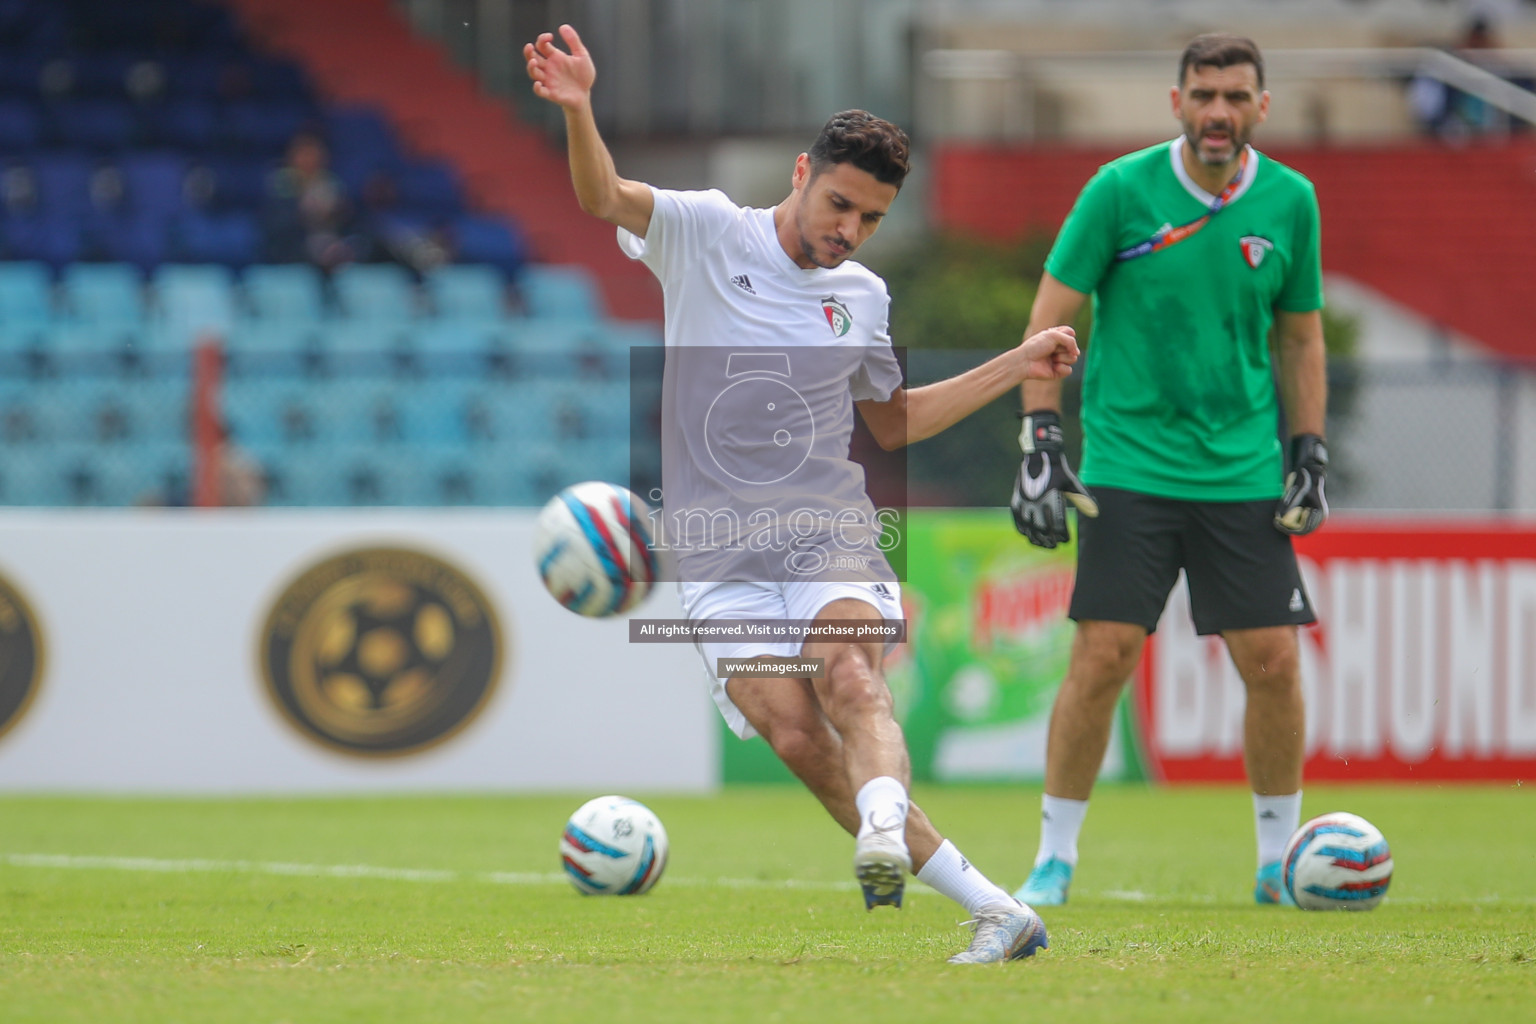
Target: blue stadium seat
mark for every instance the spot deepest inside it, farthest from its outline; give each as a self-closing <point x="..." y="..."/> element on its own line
<point x="140" y="239"/>
<point x="488" y="240"/>
<point x="284" y="293"/>
<point x="109" y="295"/>
<point x="101" y="125"/>
<point x="252" y="126"/>
<point x="375" y="292"/>
<point x="429" y="187"/>
<point x="195" y="298"/>
<point x="55" y="241"/>
<point x="155" y="182"/>
<point x="361" y="134"/>
<point x="20" y="126"/>
<point x="229" y="238"/>
<point x="224" y="182"/>
<point x="26" y="295"/>
<point x="63" y="183"/>
<point x="186" y="124"/>
<point x="473" y="292"/>
<point x="559" y="292"/>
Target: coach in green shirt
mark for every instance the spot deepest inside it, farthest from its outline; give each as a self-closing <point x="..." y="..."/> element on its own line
<point x="1192" y="251"/>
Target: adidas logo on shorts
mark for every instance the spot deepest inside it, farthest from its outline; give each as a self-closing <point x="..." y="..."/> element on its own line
<point x="1297" y="604"/>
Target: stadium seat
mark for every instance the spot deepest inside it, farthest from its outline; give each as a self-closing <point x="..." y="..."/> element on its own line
<point x="140" y="239"/>
<point x="230" y="238"/>
<point x="105" y="295"/>
<point x="154" y="182"/>
<point x="63" y="185"/>
<point x="473" y="292"/>
<point x="55" y="241"/>
<point x="283" y="347"/>
<point x="272" y="412"/>
<point x="286" y="293"/>
<point x="429" y="187"/>
<point x="375" y="292"/>
<point x="257" y="127"/>
<point x="20" y="126"/>
<point x="99" y="125"/>
<point x="559" y="292"/>
<point x="185" y="124"/>
<point x="26" y="295"/>
<point x="488" y="240"/>
<point x="353" y="346"/>
<point x="195" y="298"/>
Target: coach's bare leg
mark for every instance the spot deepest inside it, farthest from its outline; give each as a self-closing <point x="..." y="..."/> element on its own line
<point x="1104" y="654"/>
<point x="1274" y="721"/>
<point x="788" y="715"/>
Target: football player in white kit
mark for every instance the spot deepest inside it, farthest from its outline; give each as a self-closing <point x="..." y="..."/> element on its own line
<point x="779" y="280"/>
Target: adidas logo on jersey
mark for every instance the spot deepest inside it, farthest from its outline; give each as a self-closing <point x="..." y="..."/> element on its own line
<point x="743" y="282"/>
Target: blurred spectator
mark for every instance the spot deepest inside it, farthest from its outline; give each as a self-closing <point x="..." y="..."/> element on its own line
<point x="1445" y="111"/>
<point x="395" y="235"/>
<point x="308" y="217"/>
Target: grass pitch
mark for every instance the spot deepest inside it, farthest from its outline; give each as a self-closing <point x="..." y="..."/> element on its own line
<point x="452" y="909"/>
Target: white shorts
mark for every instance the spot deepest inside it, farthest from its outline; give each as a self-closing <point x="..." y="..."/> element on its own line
<point x="703" y="602"/>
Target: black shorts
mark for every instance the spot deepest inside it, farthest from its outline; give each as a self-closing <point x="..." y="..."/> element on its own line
<point x="1242" y="571"/>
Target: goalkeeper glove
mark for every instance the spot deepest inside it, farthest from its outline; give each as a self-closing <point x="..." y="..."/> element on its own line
<point x="1044" y="480"/>
<point x="1303" y="507"/>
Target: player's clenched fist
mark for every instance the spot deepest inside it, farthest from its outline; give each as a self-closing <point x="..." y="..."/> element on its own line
<point x="1050" y="354"/>
<point x="560" y="77"/>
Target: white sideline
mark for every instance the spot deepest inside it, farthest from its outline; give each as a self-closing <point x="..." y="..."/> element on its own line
<point x="261" y="867"/>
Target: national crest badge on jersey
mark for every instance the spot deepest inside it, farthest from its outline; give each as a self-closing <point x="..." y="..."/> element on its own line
<point x="1255" y="248"/>
<point x="838" y="316"/>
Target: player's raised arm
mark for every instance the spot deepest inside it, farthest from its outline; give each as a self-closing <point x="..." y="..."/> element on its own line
<point x="565" y="79"/>
<point x="912" y="415"/>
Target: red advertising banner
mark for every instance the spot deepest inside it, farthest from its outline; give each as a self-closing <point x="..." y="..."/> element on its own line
<point x="1422" y="665"/>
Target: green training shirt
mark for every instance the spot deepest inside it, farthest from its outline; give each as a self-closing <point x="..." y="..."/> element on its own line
<point x="1178" y="394"/>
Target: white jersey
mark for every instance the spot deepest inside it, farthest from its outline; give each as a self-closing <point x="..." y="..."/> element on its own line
<point x="764" y="362"/>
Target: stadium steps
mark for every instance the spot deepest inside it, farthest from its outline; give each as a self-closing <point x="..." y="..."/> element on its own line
<point x="364" y="52"/>
<point x="1443" y="231"/>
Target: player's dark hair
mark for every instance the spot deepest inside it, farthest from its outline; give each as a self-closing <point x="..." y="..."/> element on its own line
<point x="1220" y="50"/>
<point x="869" y="143"/>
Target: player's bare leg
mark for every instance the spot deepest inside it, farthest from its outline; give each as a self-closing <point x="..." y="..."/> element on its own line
<point x="1104" y="654"/>
<point x="789" y="716"/>
<point x="1274" y="738"/>
<point x="852" y="693"/>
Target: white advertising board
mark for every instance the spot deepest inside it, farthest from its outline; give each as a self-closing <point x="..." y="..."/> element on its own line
<point x="195" y="651"/>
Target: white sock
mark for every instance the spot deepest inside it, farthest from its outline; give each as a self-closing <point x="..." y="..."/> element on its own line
<point x="951" y="874"/>
<point x="1060" y="822"/>
<point x="882" y="804"/>
<point x="1275" y="819"/>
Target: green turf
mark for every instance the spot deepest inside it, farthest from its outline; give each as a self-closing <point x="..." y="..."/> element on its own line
<point x="1161" y="926"/>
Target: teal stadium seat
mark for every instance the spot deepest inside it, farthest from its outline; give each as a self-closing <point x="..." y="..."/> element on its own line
<point x="472" y="292"/>
<point x="561" y="292"/>
<point x="26" y="296"/>
<point x="194" y="299"/>
<point x="104" y="296"/>
<point x="375" y="292"/>
<point x="284" y="293"/>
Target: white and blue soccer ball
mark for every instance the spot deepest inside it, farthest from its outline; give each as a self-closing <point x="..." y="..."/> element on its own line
<point x="593" y="549"/>
<point x="613" y="846"/>
<point x="1337" y="861"/>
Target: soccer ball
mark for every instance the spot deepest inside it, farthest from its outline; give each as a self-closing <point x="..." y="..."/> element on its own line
<point x="1337" y="861"/>
<point x="613" y="846"/>
<point x="592" y="546"/>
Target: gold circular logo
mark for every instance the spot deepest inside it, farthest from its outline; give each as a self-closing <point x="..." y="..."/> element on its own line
<point x="21" y="656"/>
<point x="381" y="651"/>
